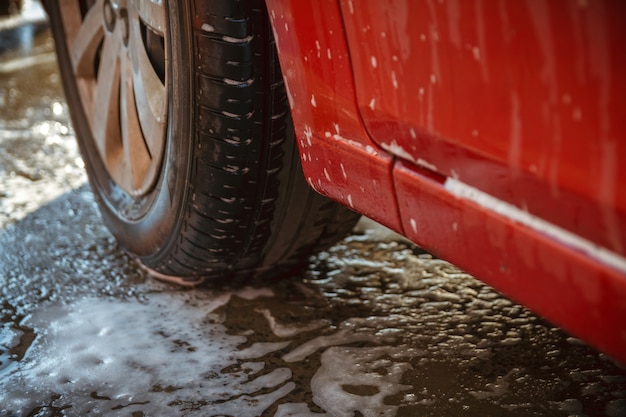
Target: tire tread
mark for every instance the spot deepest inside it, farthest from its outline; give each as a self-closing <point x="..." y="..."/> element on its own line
<point x="244" y="141"/>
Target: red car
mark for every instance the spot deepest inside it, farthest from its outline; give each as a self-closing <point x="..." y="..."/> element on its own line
<point x="493" y="134"/>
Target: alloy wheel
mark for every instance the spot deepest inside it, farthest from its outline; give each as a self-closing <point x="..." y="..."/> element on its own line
<point x="119" y="58"/>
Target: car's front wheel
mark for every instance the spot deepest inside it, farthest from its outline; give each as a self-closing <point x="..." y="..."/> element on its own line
<point x="183" y="122"/>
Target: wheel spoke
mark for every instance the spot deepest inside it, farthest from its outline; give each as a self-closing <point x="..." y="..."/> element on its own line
<point x="152" y="13"/>
<point x="85" y="42"/>
<point x="137" y="158"/>
<point x="104" y="116"/>
<point x="150" y="93"/>
<point x="72" y="20"/>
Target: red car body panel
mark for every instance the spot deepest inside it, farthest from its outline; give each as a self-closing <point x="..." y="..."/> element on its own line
<point x="318" y="76"/>
<point x="523" y="100"/>
<point x="490" y="133"/>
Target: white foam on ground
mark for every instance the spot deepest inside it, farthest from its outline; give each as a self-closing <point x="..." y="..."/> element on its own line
<point x="358" y="369"/>
<point x="123" y="356"/>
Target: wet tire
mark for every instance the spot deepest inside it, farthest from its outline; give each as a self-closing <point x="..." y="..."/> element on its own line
<point x="199" y="175"/>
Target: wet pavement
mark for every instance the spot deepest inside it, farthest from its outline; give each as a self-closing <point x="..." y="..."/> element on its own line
<point x="374" y="326"/>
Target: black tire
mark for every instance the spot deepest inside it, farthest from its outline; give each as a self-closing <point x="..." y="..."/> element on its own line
<point x="227" y="194"/>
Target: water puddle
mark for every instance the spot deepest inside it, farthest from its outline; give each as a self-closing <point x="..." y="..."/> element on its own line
<point x="373" y="328"/>
<point x="15" y="339"/>
<point x="39" y="158"/>
<point x="192" y="352"/>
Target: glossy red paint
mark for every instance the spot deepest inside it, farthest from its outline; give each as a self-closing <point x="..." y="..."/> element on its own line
<point x="521" y="103"/>
<point x="338" y="157"/>
<point x="523" y="100"/>
<point x="563" y="284"/>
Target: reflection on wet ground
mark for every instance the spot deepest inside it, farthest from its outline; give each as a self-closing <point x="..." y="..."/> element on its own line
<point x="39" y="158"/>
<point x="374" y="326"/>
